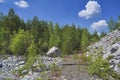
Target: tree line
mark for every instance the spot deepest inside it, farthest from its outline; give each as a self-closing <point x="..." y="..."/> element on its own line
<point x="113" y="24"/>
<point x="37" y="36"/>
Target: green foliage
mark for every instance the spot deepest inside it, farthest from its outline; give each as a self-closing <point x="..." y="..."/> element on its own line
<point x="39" y="79"/>
<point x="20" y="42"/>
<point x="112" y="24"/>
<point x="12" y="21"/>
<point x="54" y="40"/>
<point x="117" y="40"/>
<point x="4" y="40"/>
<point x="110" y="57"/>
<point x="32" y="51"/>
<point x="16" y="35"/>
<point x="55" y="36"/>
<point x="78" y="38"/>
<point x="75" y="57"/>
<point x="8" y="79"/>
<point x="95" y="37"/>
<point x="84" y="39"/>
<point x="100" y="67"/>
<point x="68" y="39"/>
<point x="102" y="34"/>
<point x="56" y="71"/>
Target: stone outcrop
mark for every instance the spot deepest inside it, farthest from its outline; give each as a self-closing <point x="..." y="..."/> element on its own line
<point x="110" y="47"/>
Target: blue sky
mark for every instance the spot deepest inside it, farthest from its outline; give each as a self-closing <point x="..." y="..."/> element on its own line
<point x="91" y="14"/>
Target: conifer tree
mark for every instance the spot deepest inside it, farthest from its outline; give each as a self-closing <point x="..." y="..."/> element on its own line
<point x="84" y="39"/>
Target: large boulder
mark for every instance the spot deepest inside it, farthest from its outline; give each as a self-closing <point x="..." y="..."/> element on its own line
<point x="54" y="52"/>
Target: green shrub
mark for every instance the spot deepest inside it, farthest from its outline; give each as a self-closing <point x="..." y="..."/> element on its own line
<point x="8" y="79"/>
<point x="110" y="57"/>
<point x="100" y="67"/>
<point x="75" y="57"/>
<point x="32" y="51"/>
<point x="56" y="71"/>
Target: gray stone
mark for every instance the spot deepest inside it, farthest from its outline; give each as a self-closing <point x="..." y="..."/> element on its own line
<point x="38" y="70"/>
<point x="115" y="47"/>
<point x="24" y="71"/>
<point x="36" y="64"/>
<point x="117" y="69"/>
<point x="34" y="76"/>
<point x="28" y="77"/>
<point x="54" y="52"/>
<point x="1" y="65"/>
<point x="19" y="67"/>
<point x="22" y="62"/>
<point x="106" y="55"/>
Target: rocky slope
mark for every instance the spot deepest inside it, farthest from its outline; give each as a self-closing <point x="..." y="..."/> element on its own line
<point x="10" y="66"/>
<point x="110" y="48"/>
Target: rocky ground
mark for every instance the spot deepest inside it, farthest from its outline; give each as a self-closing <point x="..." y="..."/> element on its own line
<point x="64" y="69"/>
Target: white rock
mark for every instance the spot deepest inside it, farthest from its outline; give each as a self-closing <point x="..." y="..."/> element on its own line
<point x="24" y="71"/>
<point x="21" y="63"/>
<point x="112" y="66"/>
<point x="117" y="69"/>
<point x="115" y="47"/>
<point x="30" y="72"/>
<point x="54" y="51"/>
<point x="106" y="55"/>
<point x="19" y="67"/>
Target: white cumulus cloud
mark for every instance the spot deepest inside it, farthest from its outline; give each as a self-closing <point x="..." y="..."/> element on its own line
<point x="99" y="25"/>
<point x="92" y="9"/>
<point x="22" y="4"/>
<point x="2" y="1"/>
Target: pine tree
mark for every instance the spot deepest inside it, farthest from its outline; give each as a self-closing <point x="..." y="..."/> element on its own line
<point x="102" y="34"/>
<point x="95" y="37"/>
<point x="78" y="38"/>
<point x="68" y="39"/>
<point x="4" y="40"/>
<point x="84" y="39"/>
<point x="55" y="37"/>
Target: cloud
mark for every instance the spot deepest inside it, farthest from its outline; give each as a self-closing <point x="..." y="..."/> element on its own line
<point x="21" y="4"/>
<point x="99" y="25"/>
<point x="2" y="1"/>
<point x="92" y="9"/>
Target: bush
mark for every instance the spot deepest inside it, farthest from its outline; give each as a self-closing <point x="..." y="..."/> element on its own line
<point x="100" y="67"/>
<point x="32" y="51"/>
